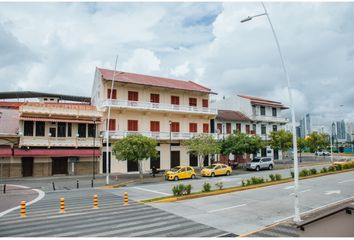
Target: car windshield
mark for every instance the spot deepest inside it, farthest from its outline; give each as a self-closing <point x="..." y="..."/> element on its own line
<point x="210" y="167"/>
<point x="175" y="169"/>
<point x="256" y="160"/>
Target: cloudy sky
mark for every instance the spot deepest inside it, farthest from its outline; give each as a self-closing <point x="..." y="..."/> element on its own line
<point x="55" y="47"/>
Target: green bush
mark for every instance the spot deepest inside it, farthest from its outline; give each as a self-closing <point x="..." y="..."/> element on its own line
<point x="324" y="170"/>
<point x="248" y="182"/>
<point x="243" y="183"/>
<point x="256" y="180"/>
<point x="188" y="189"/>
<point x="331" y="168"/>
<point x="206" y="187"/>
<point x="313" y="171"/>
<point x="338" y="167"/>
<point x="181" y="189"/>
<point x="278" y="177"/>
<point x="219" y="185"/>
<point x="272" y="177"/>
<point x="292" y="174"/>
<point x="304" y="173"/>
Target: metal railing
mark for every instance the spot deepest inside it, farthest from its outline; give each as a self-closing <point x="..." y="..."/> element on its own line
<point x="263" y="118"/>
<point x="156" y="135"/>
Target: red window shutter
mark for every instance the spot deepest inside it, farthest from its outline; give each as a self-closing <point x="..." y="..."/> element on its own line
<point x="205" y="127"/>
<point x="192" y="127"/>
<point x="193" y="102"/>
<point x="175" y="100"/>
<point x="155" y="126"/>
<point x="175" y="127"/>
<point x="133" y="96"/>
<point x="112" y="124"/>
<point x="219" y="127"/>
<point x="155" y="98"/>
<point x="205" y="103"/>
<point x="132" y="125"/>
<point x="228" y="128"/>
<point x="114" y="93"/>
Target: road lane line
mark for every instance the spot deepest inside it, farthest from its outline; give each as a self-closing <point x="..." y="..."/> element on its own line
<point x="148" y="190"/>
<point x="289" y="187"/>
<point x="349" y="180"/>
<point x="221" y="209"/>
<point x="301" y="191"/>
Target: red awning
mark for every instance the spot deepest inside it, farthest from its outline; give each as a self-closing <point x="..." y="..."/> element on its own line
<point x="5" y="152"/>
<point x="57" y="152"/>
<point x="37" y="119"/>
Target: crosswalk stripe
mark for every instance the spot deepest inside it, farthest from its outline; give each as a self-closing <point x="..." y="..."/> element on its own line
<point x="177" y="225"/>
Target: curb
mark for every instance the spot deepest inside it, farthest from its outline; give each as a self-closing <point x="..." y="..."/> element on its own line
<point x="238" y="188"/>
<point x="117" y="185"/>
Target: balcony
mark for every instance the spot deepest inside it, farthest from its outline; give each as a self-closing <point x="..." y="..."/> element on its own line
<point x="261" y="118"/>
<point x="156" y="135"/>
<point x="35" y="141"/>
<point x="157" y="107"/>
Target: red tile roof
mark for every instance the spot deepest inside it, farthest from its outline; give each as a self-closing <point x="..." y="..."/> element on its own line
<point x="228" y="115"/>
<point x="263" y="102"/>
<point x="13" y="105"/>
<point x="134" y="78"/>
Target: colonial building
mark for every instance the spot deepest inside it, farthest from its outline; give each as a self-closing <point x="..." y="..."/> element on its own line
<point x="166" y="109"/>
<point x="49" y="138"/>
<point x="250" y="115"/>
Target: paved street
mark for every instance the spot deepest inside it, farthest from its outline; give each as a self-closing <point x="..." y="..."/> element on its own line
<point x="112" y="219"/>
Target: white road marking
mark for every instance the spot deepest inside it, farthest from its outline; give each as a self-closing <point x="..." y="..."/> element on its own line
<point x="301" y="191"/>
<point x="332" y="192"/>
<point x="290" y="187"/>
<point x="41" y="194"/>
<point x="222" y="209"/>
<point x="349" y="180"/>
<point x="148" y="190"/>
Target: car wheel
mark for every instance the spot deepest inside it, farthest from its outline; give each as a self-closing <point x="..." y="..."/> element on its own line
<point x="212" y="175"/>
<point x="193" y="176"/>
<point x="176" y="178"/>
<point x="270" y="167"/>
<point x="227" y="173"/>
<point x="257" y="168"/>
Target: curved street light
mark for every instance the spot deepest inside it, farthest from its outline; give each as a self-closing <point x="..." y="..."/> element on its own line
<point x="296" y="168"/>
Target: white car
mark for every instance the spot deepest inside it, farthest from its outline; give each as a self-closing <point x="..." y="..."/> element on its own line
<point x="259" y="163"/>
<point x="322" y="153"/>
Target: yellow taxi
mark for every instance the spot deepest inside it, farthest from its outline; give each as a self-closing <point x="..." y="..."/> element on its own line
<point x="180" y="172"/>
<point x="216" y="170"/>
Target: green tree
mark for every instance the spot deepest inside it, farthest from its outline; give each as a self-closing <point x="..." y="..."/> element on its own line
<point x="301" y="145"/>
<point x="135" y="148"/>
<point x="240" y="143"/>
<point x="202" y="145"/>
<point x="281" y="140"/>
<point x="317" y="141"/>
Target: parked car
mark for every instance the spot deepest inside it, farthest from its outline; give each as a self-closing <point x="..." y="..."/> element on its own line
<point x="180" y="172"/>
<point x="322" y="153"/>
<point x="216" y="170"/>
<point x="259" y="163"/>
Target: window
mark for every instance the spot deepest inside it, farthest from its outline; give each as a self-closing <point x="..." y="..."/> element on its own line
<point x="69" y="129"/>
<point x="219" y="127"/>
<point x="53" y="132"/>
<point x="238" y="127"/>
<point x="263" y="111"/>
<point x="112" y="124"/>
<point x="275" y="128"/>
<point x="263" y="129"/>
<point x="155" y="126"/>
<point x="133" y="96"/>
<point x="40" y="126"/>
<point x="82" y="130"/>
<point x="61" y="129"/>
<point x="154" y="98"/>
<point x="132" y="125"/>
<point x="192" y="102"/>
<point x="254" y="128"/>
<point x="91" y="130"/>
<point x="28" y="128"/>
<point x="274" y="112"/>
<point x="114" y="93"/>
<point x="228" y="128"/>
<point x="247" y="129"/>
<point x="175" y="127"/>
<point x="192" y="127"/>
<point x="205" y="103"/>
<point x="205" y="127"/>
<point x="175" y="100"/>
<point x="264" y="152"/>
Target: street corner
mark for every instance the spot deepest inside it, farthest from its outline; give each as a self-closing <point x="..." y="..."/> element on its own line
<point x="12" y="195"/>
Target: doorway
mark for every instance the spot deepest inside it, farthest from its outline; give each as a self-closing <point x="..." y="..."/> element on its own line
<point x="59" y="165"/>
<point x="175" y="158"/>
<point x="27" y="166"/>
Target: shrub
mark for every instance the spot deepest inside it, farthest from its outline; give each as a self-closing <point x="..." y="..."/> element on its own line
<point x="292" y="174"/>
<point x="324" y="170"/>
<point x="345" y="166"/>
<point x="338" y="167"/>
<point x="248" y="182"/>
<point x="243" y="183"/>
<point x="304" y="173"/>
<point x="188" y="189"/>
<point x="331" y="169"/>
<point x="272" y="177"/>
<point x="255" y="180"/>
<point x="277" y="177"/>
<point x="181" y="189"/>
<point x="313" y="171"/>
<point x="206" y="187"/>
<point x="219" y="185"/>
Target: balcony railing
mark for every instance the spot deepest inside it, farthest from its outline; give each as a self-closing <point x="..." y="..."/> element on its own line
<point x="262" y="118"/>
<point x="59" y="141"/>
<point x="156" y="135"/>
<point x="157" y="106"/>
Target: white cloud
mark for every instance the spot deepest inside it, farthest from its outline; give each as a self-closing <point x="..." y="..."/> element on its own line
<point x="143" y="61"/>
<point x="181" y="70"/>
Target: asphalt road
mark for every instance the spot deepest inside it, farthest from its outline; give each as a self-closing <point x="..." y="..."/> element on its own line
<point x="245" y="211"/>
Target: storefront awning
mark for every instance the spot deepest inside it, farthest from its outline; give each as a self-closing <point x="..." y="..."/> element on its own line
<point x="5" y="152"/>
<point x="57" y="152"/>
<point x="36" y="119"/>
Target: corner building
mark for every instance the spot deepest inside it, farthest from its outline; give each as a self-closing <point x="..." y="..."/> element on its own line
<point x="165" y="109"/>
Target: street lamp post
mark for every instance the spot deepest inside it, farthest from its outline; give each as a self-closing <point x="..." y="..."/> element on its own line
<point x="93" y="152"/>
<point x="170" y="123"/>
<point x="332" y="140"/>
<point x="296" y="170"/>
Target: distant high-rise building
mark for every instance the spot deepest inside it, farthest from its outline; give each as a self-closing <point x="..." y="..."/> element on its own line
<point x="341" y="131"/>
<point x="305" y="126"/>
